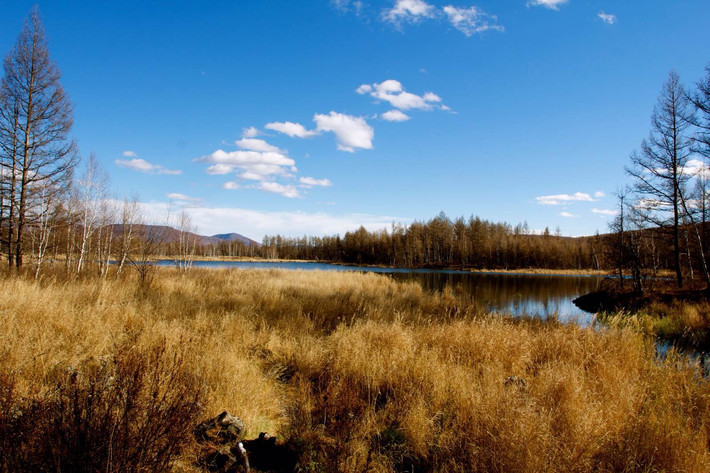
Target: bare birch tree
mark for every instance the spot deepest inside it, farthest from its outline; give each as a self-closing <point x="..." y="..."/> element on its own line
<point x="187" y="241"/>
<point x="93" y="187"/>
<point x="129" y="219"/>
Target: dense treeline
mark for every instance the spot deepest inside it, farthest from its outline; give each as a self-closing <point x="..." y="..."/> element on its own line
<point x="478" y="243"/>
<point x="442" y="242"/>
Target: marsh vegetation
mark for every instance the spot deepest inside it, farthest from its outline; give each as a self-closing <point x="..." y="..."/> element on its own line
<point x="356" y="371"/>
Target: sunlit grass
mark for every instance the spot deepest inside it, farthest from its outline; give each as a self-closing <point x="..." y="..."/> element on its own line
<point x="367" y="374"/>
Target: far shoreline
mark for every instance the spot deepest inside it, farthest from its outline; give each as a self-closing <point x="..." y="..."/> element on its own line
<point x="518" y="271"/>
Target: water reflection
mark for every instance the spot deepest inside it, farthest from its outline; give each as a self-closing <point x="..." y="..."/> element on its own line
<point x="534" y="295"/>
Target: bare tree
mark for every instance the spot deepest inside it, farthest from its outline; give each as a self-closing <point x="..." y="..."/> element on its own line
<point x="129" y="219"/>
<point x="187" y="241"/>
<point x="93" y="186"/>
<point x="36" y="120"/>
<point x="659" y="168"/>
<point x="42" y="229"/>
<point x="617" y="227"/>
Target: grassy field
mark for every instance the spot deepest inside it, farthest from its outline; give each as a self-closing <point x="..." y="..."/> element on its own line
<point x="361" y="373"/>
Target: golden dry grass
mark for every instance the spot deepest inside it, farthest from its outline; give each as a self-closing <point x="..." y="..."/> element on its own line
<point x="362" y="373"/>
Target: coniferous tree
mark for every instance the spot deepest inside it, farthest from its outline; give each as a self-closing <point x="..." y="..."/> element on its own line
<point x="35" y="120"/>
<point x="659" y="167"/>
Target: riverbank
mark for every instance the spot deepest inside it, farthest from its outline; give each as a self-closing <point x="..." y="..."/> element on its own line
<point x="535" y="271"/>
<point x="681" y="317"/>
<point x="354" y="371"/>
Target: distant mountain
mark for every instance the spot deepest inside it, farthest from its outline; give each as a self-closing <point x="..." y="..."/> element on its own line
<point x="235" y="237"/>
<point x="166" y="234"/>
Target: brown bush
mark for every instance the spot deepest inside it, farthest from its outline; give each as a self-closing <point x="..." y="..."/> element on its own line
<point x="134" y="411"/>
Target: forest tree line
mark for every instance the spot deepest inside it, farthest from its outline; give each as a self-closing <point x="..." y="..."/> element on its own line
<point x="478" y="244"/>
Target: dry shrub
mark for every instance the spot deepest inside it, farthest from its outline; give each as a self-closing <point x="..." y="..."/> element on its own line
<point x="134" y="411"/>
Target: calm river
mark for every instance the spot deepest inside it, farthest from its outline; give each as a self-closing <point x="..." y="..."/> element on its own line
<point x="517" y="294"/>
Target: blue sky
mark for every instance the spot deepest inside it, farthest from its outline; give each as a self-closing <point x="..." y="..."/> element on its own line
<point x="313" y="117"/>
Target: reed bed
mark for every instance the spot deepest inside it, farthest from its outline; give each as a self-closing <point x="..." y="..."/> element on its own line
<point x="355" y="371"/>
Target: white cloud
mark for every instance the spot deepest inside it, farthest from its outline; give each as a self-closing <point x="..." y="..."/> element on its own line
<point x="652" y="204"/>
<point x="409" y="11"/>
<point x="254" y="144"/>
<point x="395" y="116"/>
<point x="393" y="92"/>
<point x="607" y="18"/>
<point x="309" y="182"/>
<point x="346" y="5"/>
<point x="605" y="212"/>
<point x="696" y="167"/>
<point x="599" y="194"/>
<point x="560" y="199"/>
<point x="230" y="185"/>
<point x="276" y="188"/>
<point x="255" y="224"/>
<point x="250" y="132"/>
<point x="129" y="154"/>
<point x="470" y="20"/>
<point x="184" y="201"/>
<point x="551" y="4"/>
<point x="263" y="164"/>
<point x="142" y="165"/>
<point x="568" y="215"/>
<point x="220" y="169"/>
<point x="182" y="197"/>
<point x="351" y="132"/>
<point x="291" y="129"/>
<point x="251" y="176"/>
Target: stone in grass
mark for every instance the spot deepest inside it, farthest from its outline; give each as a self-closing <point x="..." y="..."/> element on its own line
<point x="222" y="451"/>
<point x="223" y="429"/>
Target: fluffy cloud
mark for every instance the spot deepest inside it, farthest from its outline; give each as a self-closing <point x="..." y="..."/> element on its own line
<point x="551" y="4"/>
<point x="262" y="164"/>
<point x="351" y="132"/>
<point x="393" y="92"/>
<point x="599" y="194"/>
<point x="395" y="116"/>
<point x="695" y="167"/>
<point x="470" y="20"/>
<point x="142" y="165"/>
<point x="276" y="188"/>
<point x="605" y="212"/>
<point x="607" y="18"/>
<point x="291" y="129"/>
<point x="409" y="11"/>
<point x="568" y="215"/>
<point x="560" y="199"/>
<point x="250" y="132"/>
<point x="220" y="169"/>
<point x="308" y="182"/>
<point x="254" y="144"/>
<point x="230" y="185"/>
<point x="129" y="154"/>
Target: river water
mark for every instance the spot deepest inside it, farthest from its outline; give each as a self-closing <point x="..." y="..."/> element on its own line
<point x="517" y="294"/>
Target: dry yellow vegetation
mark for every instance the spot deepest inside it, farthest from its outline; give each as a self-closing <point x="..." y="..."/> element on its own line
<point x="357" y="371"/>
